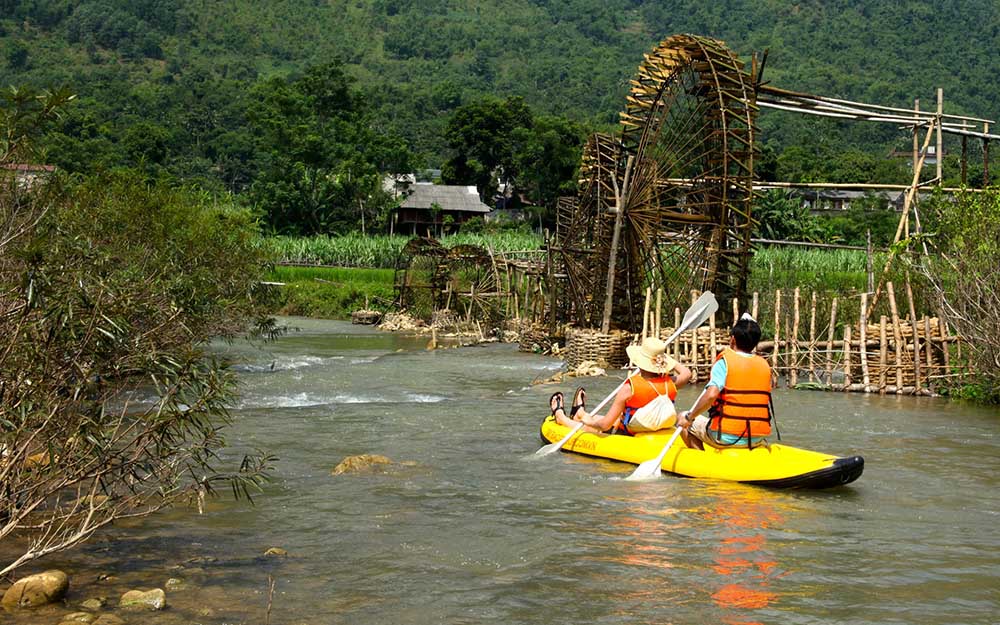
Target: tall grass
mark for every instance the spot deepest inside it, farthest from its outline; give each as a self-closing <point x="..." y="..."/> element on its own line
<point x="380" y="251"/>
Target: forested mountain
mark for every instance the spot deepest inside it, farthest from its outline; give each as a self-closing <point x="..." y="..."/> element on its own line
<point x="174" y="83"/>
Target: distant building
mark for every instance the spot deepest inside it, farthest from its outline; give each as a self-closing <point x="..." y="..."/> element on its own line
<point x="24" y="174"/>
<point x="832" y="200"/>
<point x="436" y="209"/>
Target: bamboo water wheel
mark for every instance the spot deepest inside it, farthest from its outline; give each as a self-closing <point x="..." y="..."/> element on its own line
<point x="463" y="279"/>
<point x="677" y="186"/>
<point x="421" y="277"/>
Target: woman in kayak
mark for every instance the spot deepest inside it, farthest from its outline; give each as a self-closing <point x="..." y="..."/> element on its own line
<point x="659" y="375"/>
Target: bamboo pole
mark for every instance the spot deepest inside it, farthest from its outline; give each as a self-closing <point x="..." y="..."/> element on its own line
<point x="897" y="335"/>
<point x="940" y="149"/>
<point x="907" y="202"/>
<point x="928" y="352"/>
<point x="913" y="316"/>
<point x="812" y="339"/>
<point x="777" y="337"/>
<point x="753" y="310"/>
<point x="883" y="353"/>
<point x="694" y="343"/>
<point x="829" y="342"/>
<point x="847" y="357"/>
<point x="863" y="343"/>
<point x="736" y="310"/>
<point x="645" y="312"/>
<point x="659" y="307"/>
<point x="677" y="343"/>
<point x="794" y="379"/>
<point x="711" y="338"/>
<point x="944" y="344"/>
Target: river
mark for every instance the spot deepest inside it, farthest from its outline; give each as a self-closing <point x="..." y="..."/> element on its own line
<point x="469" y="527"/>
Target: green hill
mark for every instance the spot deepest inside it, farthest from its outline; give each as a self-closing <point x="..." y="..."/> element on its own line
<point x="170" y="81"/>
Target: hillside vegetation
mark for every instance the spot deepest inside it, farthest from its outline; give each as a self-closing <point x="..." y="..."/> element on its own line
<point x="170" y="82"/>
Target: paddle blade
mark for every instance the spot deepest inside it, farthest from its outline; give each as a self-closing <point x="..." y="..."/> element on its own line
<point x="646" y="470"/>
<point x="651" y="468"/>
<point x="552" y="448"/>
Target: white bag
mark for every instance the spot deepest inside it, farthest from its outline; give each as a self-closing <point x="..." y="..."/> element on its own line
<point x="658" y="414"/>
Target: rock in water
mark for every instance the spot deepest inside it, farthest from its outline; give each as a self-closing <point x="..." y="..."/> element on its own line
<point x="36" y="590"/>
<point x="352" y="464"/>
<point x="154" y="599"/>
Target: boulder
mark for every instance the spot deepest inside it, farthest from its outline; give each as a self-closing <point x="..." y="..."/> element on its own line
<point x="78" y="617"/>
<point x="94" y="604"/>
<point x="353" y="464"/>
<point x="154" y="599"/>
<point x="175" y="583"/>
<point x="276" y="551"/>
<point x="36" y="590"/>
<point x="108" y="619"/>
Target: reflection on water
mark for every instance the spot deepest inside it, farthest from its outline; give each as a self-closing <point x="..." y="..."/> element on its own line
<point x="469" y="527"/>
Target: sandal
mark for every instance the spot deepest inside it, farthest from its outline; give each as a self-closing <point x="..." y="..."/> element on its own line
<point x="579" y="401"/>
<point x="556" y="402"/>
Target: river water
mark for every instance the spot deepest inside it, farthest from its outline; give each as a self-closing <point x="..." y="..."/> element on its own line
<point x="468" y="527"/>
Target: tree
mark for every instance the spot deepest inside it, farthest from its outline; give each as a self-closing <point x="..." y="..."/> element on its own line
<point x="962" y="272"/>
<point x="107" y="289"/>
<point x="547" y="156"/>
<point x="483" y="137"/>
<point x="320" y="155"/>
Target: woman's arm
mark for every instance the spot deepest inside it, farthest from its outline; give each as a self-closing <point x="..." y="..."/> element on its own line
<point x="682" y="375"/>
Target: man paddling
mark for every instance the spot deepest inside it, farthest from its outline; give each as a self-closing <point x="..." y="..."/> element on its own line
<point x="737" y="396"/>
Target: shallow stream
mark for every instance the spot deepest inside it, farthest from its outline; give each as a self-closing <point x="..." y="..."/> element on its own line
<point x="469" y="527"/>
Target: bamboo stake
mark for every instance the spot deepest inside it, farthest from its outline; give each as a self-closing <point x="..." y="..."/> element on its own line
<point x="863" y="343"/>
<point x="927" y="350"/>
<point x="659" y="308"/>
<point x="883" y="352"/>
<point x="847" y="357"/>
<point x="897" y="335"/>
<point x="944" y="344"/>
<point x="754" y="307"/>
<point x="794" y="379"/>
<point x="694" y="343"/>
<point x="913" y="314"/>
<point x="677" y="343"/>
<point x="829" y="342"/>
<point x="777" y="336"/>
<point x="812" y="339"/>
<point x="645" y="312"/>
<point x="736" y="310"/>
<point x="711" y="340"/>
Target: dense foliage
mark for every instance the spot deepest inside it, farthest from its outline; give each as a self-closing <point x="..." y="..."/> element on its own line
<point x="198" y="90"/>
<point x="963" y="272"/>
<point x="108" y="287"/>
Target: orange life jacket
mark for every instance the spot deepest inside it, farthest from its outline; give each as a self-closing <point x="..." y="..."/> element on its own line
<point x="744" y="405"/>
<point x="645" y="390"/>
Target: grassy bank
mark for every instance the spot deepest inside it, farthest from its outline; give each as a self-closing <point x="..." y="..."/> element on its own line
<point x="331" y="293"/>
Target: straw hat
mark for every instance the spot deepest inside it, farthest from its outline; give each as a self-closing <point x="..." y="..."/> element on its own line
<point x="651" y="355"/>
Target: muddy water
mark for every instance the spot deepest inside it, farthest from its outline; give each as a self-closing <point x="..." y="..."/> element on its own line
<point x="469" y="528"/>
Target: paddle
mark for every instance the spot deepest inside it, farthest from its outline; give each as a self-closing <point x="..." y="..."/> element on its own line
<point x="651" y="468"/>
<point x="700" y="310"/>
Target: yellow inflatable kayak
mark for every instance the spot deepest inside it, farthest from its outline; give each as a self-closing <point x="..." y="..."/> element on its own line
<point x="777" y="466"/>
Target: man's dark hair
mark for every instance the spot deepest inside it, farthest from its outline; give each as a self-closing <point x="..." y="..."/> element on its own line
<point x="747" y="335"/>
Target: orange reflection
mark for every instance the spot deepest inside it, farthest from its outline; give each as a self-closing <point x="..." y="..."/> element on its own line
<point x="742" y="558"/>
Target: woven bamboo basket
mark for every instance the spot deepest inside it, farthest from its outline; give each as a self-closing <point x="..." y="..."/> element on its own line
<point x="607" y="350"/>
